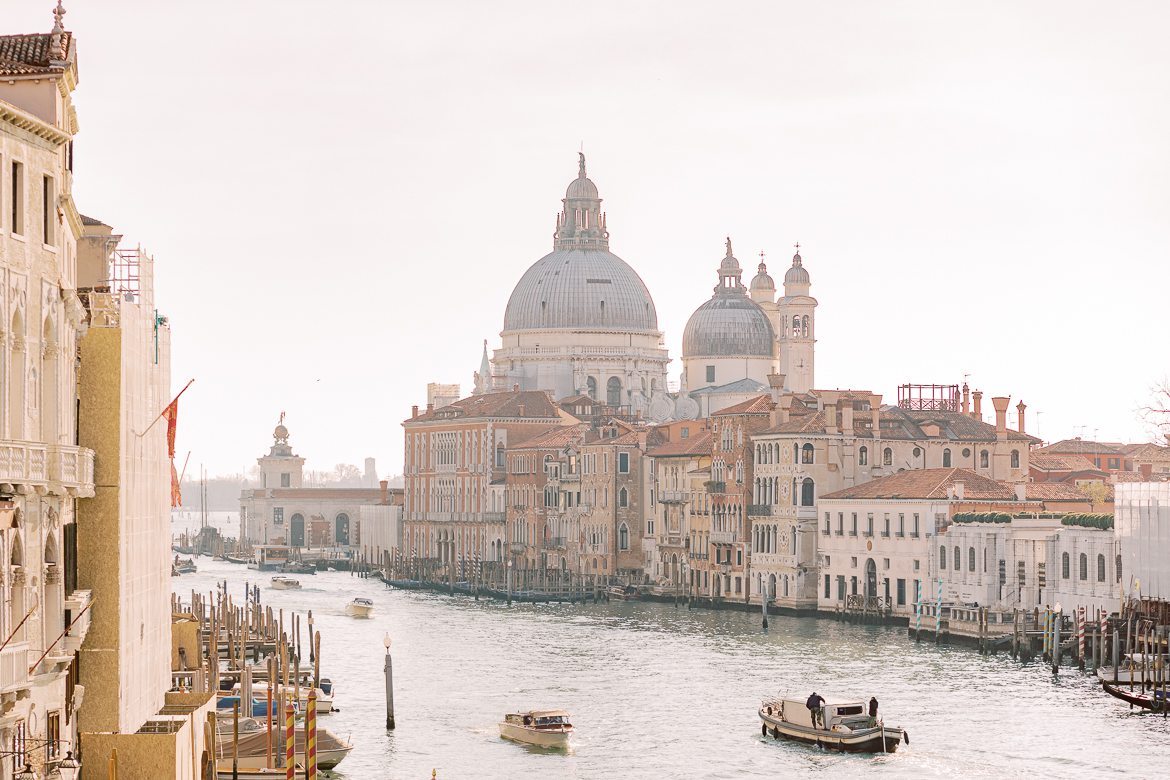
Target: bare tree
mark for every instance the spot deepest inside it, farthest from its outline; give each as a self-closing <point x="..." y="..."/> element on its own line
<point x="1156" y="414"/>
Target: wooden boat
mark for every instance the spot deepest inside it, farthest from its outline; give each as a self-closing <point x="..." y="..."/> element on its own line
<point x="280" y="582"/>
<point x="545" y="728"/>
<point x="1153" y="700"/>
<point x="622" y="593"/>
<point x="223" y="771"/>
<point x="237" y="559"/>
<point x="183" y="566"/>
<point x="253" y="749"/>
<point x="847" y="726"/>
<point x="1136" y="668"/>
<point x="360" y="607"/>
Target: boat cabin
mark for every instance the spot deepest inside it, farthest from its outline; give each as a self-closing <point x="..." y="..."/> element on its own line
<point x="272" y="557"/>
<point x="547" y="720"/>
<point x="837" y="712"/>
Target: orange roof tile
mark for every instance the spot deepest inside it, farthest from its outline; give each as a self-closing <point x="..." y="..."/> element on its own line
<point x="928" y="484"/>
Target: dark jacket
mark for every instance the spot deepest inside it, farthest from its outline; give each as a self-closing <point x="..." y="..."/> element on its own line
<point x="814" y="702"/>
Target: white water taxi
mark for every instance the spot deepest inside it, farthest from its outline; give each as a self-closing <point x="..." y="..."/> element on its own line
<point x="285" y="583"/>
<point x="546" y="728"/>
<point x="843" y="724"/>
<point x="360" y="607"/>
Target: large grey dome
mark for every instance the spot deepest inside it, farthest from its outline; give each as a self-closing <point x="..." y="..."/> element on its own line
<point x="728" y="325"/>
<point x="581" y="288"/>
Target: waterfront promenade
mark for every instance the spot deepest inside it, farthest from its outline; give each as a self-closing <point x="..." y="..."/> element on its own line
<point x="657" y="691"/>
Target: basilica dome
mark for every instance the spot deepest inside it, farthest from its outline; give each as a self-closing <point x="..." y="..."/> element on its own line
<point x="581" y="284"/>
<point x="730" y="323"/>
<point x="581" y="288"/>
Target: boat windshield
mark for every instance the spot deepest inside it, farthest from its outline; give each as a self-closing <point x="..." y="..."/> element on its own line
<point x="554" y="720"/>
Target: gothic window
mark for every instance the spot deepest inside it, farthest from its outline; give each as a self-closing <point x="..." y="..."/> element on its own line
<point x="946" y="459"/>
<point x="863" y="456"/>
<point x="806" y="492"/>
<point x="806" y="453"/>
<point x="623" y="498"/>
<point x="613" y="391"/>
<point x="623" y="536"/>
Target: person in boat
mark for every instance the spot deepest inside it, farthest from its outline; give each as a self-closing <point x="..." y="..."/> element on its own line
<point x="815" y="706"/>
<point x="873" y="705"/>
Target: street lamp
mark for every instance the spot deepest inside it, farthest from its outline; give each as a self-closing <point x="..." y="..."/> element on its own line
<point x="28" y="773"/>
<point x="67" y="768"/>
<point x="386" y="642"/>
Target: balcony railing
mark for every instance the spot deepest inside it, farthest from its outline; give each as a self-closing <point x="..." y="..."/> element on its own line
<point x="76" y="611"/>
<point x="554" y="543"/>
<point x="14" y="667"/>
<point x="723" y="537"/>
<point x="672" y="497"/>
<point x="492" y="517"/>
<point x="59" y="467"/>
<point x="759" y="510"/>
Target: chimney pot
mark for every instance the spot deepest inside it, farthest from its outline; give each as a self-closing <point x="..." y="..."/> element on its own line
<point x="966" y="399"/>
<point x="1020" y="407"/>
<point x="960" y="491"/>
<point x="384" y="485"/>
<point x="414" y="411"/>
<point x="1021" y="491"/>
<point x="977" y="411"/>
<point x="1001" y="406"/>
<point x="430" y="408"/>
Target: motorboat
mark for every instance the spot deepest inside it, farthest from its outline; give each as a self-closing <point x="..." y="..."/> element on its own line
<point x="622" y="593"/>
<point x="844" y="724"/>
<point x="360" y="607"/>
<point x="545" y="728"/>
<point x="298" y="567"/>
<point x="253" y="745"/>
<point x="281" y="582"/>
<point x="260" y="693"/>
<point x="183" y="566"/>
<point x="1153" y="699"/>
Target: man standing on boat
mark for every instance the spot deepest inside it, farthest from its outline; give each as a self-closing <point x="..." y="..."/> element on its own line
<point x="873" y="705"/>
<point x="815" y="704"/>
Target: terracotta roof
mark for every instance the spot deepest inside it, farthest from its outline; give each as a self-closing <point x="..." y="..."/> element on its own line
<point x="1082" y="447"/>
<point x="699" y="444"/>
<point x="927" y="484"/>
<point x="536" y="406"/>
<point x="1041" y="462"/>
<point x="554" y="437"/>
<point x="903" y="424"/>
<point x="1126" y="476"/>
<point x="1054" y="491"/>
<point x="28" y="55"/>
<point x="761" y="404"/>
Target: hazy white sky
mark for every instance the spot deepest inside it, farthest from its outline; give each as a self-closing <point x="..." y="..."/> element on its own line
<point x="340" y="196"/>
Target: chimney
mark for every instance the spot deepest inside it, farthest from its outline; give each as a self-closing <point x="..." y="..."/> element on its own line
<point x="430" y="408"/>
<point x="784" y="408"/>
<point x="1021" y="491"/>
<point x="847" y="416"/>
<point x="1147" y="470"/>
<point x="829" y="400"/>
<point x="384" y="485"/>
<point x="414" y="411"/>
<point x="1001" y="406"/>
<point x="875" y="411"/>
<point x="960" y="490"/>
<point x="977" y="412"/>
<point x="521" y="411"/>
<point x="966" y="399"/>
<point x="1020" y="407"/>
<point x="776" y="383"/>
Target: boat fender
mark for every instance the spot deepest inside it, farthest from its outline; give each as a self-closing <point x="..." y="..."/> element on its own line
<point x="906" y="736"/>
<point x="764" y="729"/>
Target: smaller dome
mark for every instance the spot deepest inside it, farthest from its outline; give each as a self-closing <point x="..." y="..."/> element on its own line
<point x="762" y="281"/>
<point x="796" y="274"/>
<point x="729" y="264"/>
<point x="280" y="433"/>
<point x="581" y="188"/>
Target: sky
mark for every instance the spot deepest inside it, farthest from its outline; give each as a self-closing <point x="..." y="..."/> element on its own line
<point x="340" y="196"/>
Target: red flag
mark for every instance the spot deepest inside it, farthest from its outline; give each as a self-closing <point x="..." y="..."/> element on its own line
<point x="176" y="493"/>
<point x="171" y="415"/>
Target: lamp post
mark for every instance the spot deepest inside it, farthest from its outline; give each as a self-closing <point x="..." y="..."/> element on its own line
<point x="508" y="577"/>
<point x="389" y="670"/>
<point x="68" y="766"/>
<point x="28" y="773"/>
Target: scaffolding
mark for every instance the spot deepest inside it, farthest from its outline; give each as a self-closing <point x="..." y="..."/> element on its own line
<point x="929" y="398"/>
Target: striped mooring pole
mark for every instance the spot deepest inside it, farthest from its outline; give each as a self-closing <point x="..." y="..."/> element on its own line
<point x="311" y="736"/>
<point x="918" y="611"/>
<point x="938" y="611"/>
<point x="290" y="742"/>
<point x="1081" y="634"/>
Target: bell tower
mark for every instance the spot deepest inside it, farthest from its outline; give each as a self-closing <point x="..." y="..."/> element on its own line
<point x="281" y="468"/>
<point x="797" y="335"/>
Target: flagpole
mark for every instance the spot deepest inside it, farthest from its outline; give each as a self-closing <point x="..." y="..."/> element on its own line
<point x="164" y="411"/>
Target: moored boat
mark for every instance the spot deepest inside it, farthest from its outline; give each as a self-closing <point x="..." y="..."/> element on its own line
<point x="360" y="607"/>
<point x="280" y="582"/>
<point x="253" y="746"/>
<point x="1154" y="699"/>
<point x="545" y="728"/>
<point x="844" y="725"/>
<point x="1135" y="668"/>
<point x="623" y="593"/>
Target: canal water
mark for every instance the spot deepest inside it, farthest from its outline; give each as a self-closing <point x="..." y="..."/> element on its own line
<point x="660" y="692"/>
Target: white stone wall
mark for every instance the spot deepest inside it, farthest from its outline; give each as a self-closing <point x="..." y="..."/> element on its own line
<point x="1143" y="532"/>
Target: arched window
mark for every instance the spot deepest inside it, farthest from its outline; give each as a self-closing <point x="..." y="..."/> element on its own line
<point x="795" y="453"/>
<point x="1084" y="567"/>
<point x="1064" y="566"/>
<point x="1100" y="568"/>
<point x="887" y="457"/>
<point x="957" y="562"/>
<point x="946" y="459"/>
<point x="863" y="456"/>
<point x="623" y="498"/>
<point x="970" y="559"/>
<point x="297" y="530"/>
<point x="499" y="456"/>
<point x="341" y="529"/>
<point x="623" y="537"/>
<point x="806" y="492"/>
<point x="1118" y="571"/>
<point x="942" y="557"/>
<point x="613" y="391"/>
<point x="984" y="460"/>
<point x="804" y="326"/>
<point x="806" y="453"/>
<point x="591" y="387"/>
<point x="1015" y="459"/>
